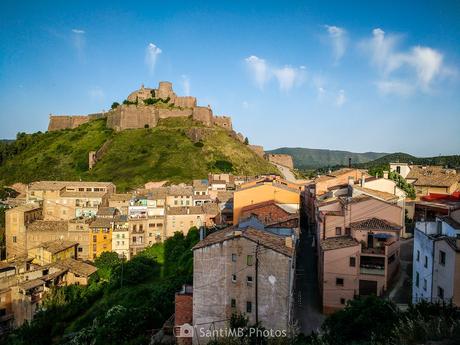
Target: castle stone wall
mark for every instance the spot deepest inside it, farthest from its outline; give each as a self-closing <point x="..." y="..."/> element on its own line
<point x="185" y="102"/>
<point x="223" y="121"/>
<point x="257" y="149"/>
<point x="281" y="159"/>
<point x="131" y="117"/>
<point x="203" y="114"/>
<point x="66" y="121"/>
<point x="166" y="113"/>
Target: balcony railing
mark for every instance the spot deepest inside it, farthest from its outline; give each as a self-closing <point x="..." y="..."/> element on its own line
<point x="379" y="271"/>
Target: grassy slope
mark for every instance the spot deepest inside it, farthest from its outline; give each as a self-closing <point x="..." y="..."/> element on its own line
<point x="133" y="156"/>
<point x="317" y="158"/>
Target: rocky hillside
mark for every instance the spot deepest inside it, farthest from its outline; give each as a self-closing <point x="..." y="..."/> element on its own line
<point x="178" y="150"/>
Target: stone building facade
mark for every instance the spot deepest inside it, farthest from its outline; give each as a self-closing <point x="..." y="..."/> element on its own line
<point x="224" y="279"/>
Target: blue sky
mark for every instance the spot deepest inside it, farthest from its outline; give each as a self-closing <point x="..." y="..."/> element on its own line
<point x="382" y="77"/>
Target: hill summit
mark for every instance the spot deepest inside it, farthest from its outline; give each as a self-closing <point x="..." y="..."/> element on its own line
<point x="144" y="108"/>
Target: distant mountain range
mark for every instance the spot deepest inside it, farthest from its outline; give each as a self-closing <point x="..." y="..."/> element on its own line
<point x="305" y="158"/>
<point x="318" y="158"/>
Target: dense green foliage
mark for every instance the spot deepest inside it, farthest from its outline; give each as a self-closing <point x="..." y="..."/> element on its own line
<point x="403" y="184"/>
<point x="131" y="158"/>
<point x="450" y="161"/>
<point x="371" y="321"/>
<point x="316" y="158"/>
<point x="310" y="160"/>
<point x="137" y="297"/>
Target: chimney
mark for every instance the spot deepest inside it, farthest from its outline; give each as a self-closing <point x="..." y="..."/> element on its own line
<point x="202" y="233"/>
<point x="363" y="181"/>
<point x="385" y="175"/>
<point x="288" y="241"/>
<point x="349" y="162"/>
<point x="351" y="182"/>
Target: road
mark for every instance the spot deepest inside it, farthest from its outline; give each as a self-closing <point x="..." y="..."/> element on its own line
<point x="401" y="292"/>
<point x="307" y="304"/>
<point x="286" y="172"/>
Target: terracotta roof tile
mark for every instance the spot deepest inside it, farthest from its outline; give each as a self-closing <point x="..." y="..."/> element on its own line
<point x="264" y="238"/>
<point x="374" y="224"/>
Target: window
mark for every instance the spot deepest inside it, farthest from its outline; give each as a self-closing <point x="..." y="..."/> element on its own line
<point x="338" y="231"/>
<point x="442" y="257"/>
<point x="233" y="303"/>
<point x="418" y="255"/>
<point x="14" y="239"/>
<point x="342" y="301"/>
<point x="339" y="281"/>
<point x="424" y="284"/>
<point x="234" y="278"/>
<point x="248" y="307"/>
<point x="426" y="262"/>
<point x="352" y="262"/>
<point x="94" y="238"/>
<point x="347" y="231"/>
<point x="80" y="249"/>
<point x="249" y="280"/>
<point x="249" y="260"/>
<point x="440" y="292"/>
<point x="234" y="257"/>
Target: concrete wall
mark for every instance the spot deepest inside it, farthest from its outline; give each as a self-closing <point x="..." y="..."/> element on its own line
<point x="336" y="264"/>
<point x="423" y="247"/>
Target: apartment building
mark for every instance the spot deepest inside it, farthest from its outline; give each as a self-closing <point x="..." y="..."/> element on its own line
<point x="358" y="231"/>
<point x="120" y="237"/>
<point x="265" y="189"/>
<point x="181" y="219"/>
<point x="243" y="260"/>
<point x="65" y="200"/>
<point x="76" y="230"/>
<point x="100" y="236"/>
<point x="436" y="260"/>
<point x="17" y="220"/>
<point x="52" y="251"/>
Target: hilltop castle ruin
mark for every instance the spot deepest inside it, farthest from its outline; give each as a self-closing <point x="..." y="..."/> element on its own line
<point x="143" y="109"/>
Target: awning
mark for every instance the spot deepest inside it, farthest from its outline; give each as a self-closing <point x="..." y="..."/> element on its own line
<point x="382" y="236"/>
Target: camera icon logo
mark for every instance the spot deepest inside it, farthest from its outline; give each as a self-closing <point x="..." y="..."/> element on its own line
<point x="184" y="331"/>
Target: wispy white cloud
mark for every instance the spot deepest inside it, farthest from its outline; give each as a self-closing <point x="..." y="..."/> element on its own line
<point x="287" y="76"/>
<point x="397" y="87"/>
<point x="259" y="70"/>
<point x="245" y="104"/>
<point x="151" y="55"/>
<point x="79" y="42"/>
<point x="341" y="98"/>
<point x="338" y="39"/>
<point x="186" y="85"/>
<point x="416" y="68"/>
<point x="97" y="94"/>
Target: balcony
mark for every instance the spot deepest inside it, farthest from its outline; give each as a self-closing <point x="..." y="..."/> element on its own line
<point x="379" y="271"/>
<point x="373" y="265"/>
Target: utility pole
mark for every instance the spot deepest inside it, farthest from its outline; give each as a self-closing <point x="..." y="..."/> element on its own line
<point x="257" y="284"/>
<point x="122" y="262"/>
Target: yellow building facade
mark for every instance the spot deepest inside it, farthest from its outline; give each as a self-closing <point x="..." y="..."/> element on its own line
<point x="265" y="190"/>
<point x="100" y="237"/>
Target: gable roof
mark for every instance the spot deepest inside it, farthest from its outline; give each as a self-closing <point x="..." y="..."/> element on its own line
<point x="264" y="238"/>
<point x="374" y="224"/>
<point x="376" y="193"/>
<point x="57" y="246"/>
<point x="338" y="242"/>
